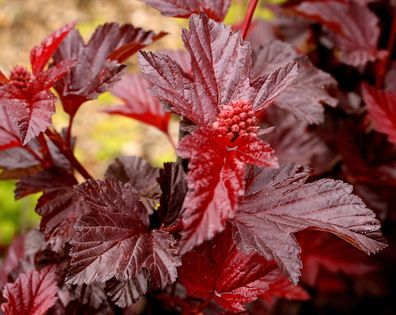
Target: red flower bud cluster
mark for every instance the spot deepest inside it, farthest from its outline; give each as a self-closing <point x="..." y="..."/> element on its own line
<point x="20" y="77"/>
<point x="236" y="119"/>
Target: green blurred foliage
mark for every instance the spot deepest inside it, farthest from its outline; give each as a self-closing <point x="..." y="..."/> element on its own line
<point x="15" y="216"/>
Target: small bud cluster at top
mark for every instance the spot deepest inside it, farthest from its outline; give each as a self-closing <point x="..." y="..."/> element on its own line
<point x="20" y="77"/>
<point x="236" y="119"/>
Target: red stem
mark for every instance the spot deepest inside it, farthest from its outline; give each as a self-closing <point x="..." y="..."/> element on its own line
<point x="48" y="161"/>
<point x="67" y="152"/>
<point x="69" y="129"/>
<point x="248" y="17"/>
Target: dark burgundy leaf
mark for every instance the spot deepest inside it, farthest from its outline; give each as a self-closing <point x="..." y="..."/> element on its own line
<point x="93" y="294"/>
<point x="16" y="252"/>
<point x="125" y="293"/>
<point x="40" y="55"/>
<point x="32" y="293"/>
<point x="323" y="250"/>
<point x="98" y="67"/>
<point x="217" y="270"/>
<point x="294" y="142"/>
<point x="215" y="180"/>
<point x="221" y="67"/>
<point x="138" y="103"/>
<point x="353" y="25"/>
<point x="284" y="289"/>
<point x="311" y="84"/>
<point x="381" y="106"/>
<point x="215" y="9"/>
<point x="141" y="175"/>
<point x="114" y="232"/>
<point x="8" y="131"/>
<point x="173" y="184"/>
<point x="280" y="203"/>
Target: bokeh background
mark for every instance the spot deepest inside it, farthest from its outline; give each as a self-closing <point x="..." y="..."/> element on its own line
<point x="101" y="138"/>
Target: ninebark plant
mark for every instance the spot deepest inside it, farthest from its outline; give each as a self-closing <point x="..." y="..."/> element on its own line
<point x="220" y="229"/>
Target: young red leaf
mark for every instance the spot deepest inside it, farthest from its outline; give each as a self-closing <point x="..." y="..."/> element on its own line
<point x="40" y="55"/>
<point x="31" y="110"/>
<point x="141" y="175"/>
<point x="221" y="69"/>
<point x="381" y="106"/>
<point x="353" y="25"/>
<point x="114" y="232"/>
<point x="98" y="67"/>
<point x="215" y="9"/>
<point x="32" y="293"/>
<point x="217" y="270"/>
<point x="138" y="103"/>
<point x="215" y="180"/>
<point x="280" y="203"/>
<point x="311" y="84"/>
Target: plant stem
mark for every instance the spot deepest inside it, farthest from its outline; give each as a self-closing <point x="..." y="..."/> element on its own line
<point x="64" y="148"/>
<point x="69" y="130"/>
<point x="248" y="17"/>
<point x="48" y="161"/>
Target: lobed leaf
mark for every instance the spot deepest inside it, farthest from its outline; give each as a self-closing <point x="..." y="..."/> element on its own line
<point x="354" y="28"/>
<point x="98" y="62"/>
<point x="215" y="181"/>
<point x="33" y="293"/>
<point x="280" y="204"/>
<point x="114" y="232"/>
<point x="141" y="175"/>
<point x="217" y="271"/>
<point x="381" y="106"/>
<point x="311" y="84"/>
<point x="220" y="74"/>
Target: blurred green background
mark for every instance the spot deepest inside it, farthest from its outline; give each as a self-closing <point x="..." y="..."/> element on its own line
<point x="101" y="138"/>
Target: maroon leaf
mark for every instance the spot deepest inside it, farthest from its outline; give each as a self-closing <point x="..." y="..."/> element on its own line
<point x="15" y="252"/>
<point x="353" y="25"/>
<point x="8" y="132"/>
<point x="220" y="74"/>
<point x="217" y="270"/>
<point x="114" y="232"/>
<point x="139" y="104"/>
<point x="32" y="293"/>
<point x="125" y="293"/>
<point x="283" y="288"/>
<point x="325" y="251"/>
<point x="141" y="175"/>
<point x="280" y="203"/>
<point x="173" y="184"/>
<point x="294" y="142"/>
<point x="215" y="180"/>
<point x="311" y="84"/>
<point x="381" y="106"/>
<point x="215" y="9"/>
<point x="98" y="67"/>
<point x="40" y="55"/>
